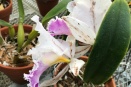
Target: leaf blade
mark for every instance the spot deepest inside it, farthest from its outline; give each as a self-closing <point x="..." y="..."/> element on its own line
<point x="21" y="10"/>
<point x="60" y="7"/>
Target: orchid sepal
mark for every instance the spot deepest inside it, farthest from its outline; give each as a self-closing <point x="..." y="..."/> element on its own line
<point x="58" y="27"/>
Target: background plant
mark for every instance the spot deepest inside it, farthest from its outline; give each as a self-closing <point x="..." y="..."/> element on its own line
<point x="20" y="34"/>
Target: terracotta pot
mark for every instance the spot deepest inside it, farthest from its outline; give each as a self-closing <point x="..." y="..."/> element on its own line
<point x="5" y="13"/>
<point x="16" y="73"/>
<point x="46" y="5"/>
<point x="109" y="83"/>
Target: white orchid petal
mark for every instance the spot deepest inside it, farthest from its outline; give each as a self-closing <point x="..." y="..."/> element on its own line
<point x="54" y="80"/>
<point x="48" y="58"/>
<point x="67" y="46"/>
<point x="52" y="58"/>
<point x="81" y="50"/>
<point x="72" y="41"/>
<point x="37" y="52"/>
<point x="81" y="11"/>
<point x="76" y="65"/>
<point x="46" y="39"/>
<point x="89" y="11"/>
<point x="100" y="11"/>
<point x="34" y="52"/>
<point x="70" y="6"/>
<point x="39" y="26"/>
<point x="80" y="30"/>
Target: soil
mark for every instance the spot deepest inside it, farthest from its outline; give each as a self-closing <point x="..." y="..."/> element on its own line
<point x="3" y="4"/>
<point x="8" y="53"/>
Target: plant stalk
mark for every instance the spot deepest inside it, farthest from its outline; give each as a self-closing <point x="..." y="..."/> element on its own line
<point x="31" y="36"/>
<point x="20" y="36"/>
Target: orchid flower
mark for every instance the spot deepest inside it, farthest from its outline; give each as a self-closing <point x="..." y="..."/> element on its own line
<point x="84" y="19"/>
<point x="49" y="51"/>
<point x="74" y="65"/>
<point x="82" y="23"/>
<point x="73" y="53"/>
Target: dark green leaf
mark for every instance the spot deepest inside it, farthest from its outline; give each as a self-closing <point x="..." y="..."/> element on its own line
<point x="11" y="28"/>
<point x="110" y="45"/>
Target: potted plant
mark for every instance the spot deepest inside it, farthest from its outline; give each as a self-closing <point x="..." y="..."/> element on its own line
<point x="103" y="29"/>
<point x="14" y="41"/>
<point x="5" y="9"/>
<point x="15" y="35"/>
<point x="52" y="47"/>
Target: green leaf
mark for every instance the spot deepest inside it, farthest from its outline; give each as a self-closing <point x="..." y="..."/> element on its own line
<point x="21" y="11"/>
<point x="4" y="23"/>
<point x="1" y="38"/>
<point x="111" y="44"/>
<point x="11" y="28"/>
<point x="1" y="41"/>
<point x="60" y="7"/>
<point x="12" y="32"/>
<point x="31" y="36"/>
<point x="20" y="36"/>
<point x="128" y="0"/>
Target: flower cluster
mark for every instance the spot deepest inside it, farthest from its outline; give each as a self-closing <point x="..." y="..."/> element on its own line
<point x="82" y="24"/>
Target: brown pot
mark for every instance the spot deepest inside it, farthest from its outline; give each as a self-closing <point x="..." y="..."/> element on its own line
<point x="109" y="83"/>
<point x="16" y="73"/>
<point x="46" y="5"/>
<point x="5" y="13"/>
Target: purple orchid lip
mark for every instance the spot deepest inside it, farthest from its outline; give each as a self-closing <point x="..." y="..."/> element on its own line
<point x="58" y="27"/>
<point x="35" y="73"/>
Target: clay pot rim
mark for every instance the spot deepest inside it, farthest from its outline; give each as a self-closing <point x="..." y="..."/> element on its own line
<point x="16" y="68"/>
<point x="19" y="67"/>
<point x="15" y="25"/>
<point x="10" y="5"/>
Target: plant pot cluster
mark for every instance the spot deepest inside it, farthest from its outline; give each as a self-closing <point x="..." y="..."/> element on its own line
<point x="44" y="7"/>
<point x="14" y="73"/>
